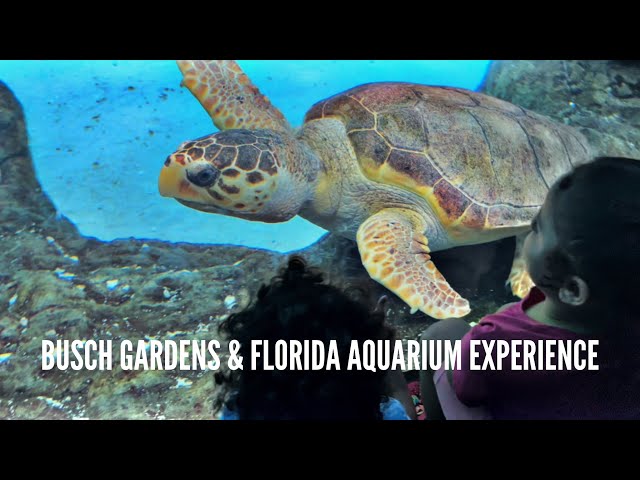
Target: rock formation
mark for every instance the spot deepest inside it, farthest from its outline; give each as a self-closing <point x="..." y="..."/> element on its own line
<point x="599" y="97"/>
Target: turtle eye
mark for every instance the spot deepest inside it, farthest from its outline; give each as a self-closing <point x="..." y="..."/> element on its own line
<point x="205" y="177"/>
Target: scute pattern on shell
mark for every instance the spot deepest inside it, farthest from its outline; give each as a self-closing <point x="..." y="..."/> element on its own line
<point x="484" y="162"/>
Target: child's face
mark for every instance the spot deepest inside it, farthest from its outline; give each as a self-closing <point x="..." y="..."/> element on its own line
<point x="539" y="243"/>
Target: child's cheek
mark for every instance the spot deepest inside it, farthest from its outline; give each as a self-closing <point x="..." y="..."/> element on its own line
<point x="531" y="254"/>
<point x="526" y="248"/>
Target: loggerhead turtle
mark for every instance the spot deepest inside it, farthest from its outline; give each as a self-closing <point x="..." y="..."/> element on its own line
<point x="403" y="169"/>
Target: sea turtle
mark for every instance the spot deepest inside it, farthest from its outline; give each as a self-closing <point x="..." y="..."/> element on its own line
<point x="402" y="169"/>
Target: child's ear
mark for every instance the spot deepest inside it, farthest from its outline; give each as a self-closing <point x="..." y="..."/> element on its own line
<point x="574" y="291"/>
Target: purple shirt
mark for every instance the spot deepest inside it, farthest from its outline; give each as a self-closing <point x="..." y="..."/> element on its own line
<point x="612" y="392"/>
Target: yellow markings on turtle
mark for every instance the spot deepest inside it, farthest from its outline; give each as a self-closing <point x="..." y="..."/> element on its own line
<point x="398" y="257"/>
<point x="474" y="216"/>
<point x="431" y="198"/>
<point x="377" y="258"/>
<point x="436" y="184"/>
<point x="386" y="271"/>
<point x="353" y="130"/>
<point x="229" y="96"/>
<point x="369" y="236"/>
<point x="190" y="83"/>
<point x="519" y="279"/>
<point x="463" y="217"/>
<point x="388" y="174"/>
<point x="322" y="201"/>
<point x="459" y="302"/>
<point x="395" y="282"/>
<point x="486" y="219"/>
<point x="460" y="219"/>
<point x="233" y="66"/>
<point x="200" y="89"/>
<point x="407" y="291"/>
<point x="209" y="103"/>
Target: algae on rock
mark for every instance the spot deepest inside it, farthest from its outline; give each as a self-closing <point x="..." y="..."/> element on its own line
<point x="601" y="98"/>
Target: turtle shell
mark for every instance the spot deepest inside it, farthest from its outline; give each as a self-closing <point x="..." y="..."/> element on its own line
<point x="480" y="162"/>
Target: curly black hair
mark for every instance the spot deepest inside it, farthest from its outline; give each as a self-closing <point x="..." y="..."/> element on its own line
<point x="298" y="305"/>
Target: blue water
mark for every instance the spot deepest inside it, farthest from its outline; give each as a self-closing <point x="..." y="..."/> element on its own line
<point x="100" y="130"/>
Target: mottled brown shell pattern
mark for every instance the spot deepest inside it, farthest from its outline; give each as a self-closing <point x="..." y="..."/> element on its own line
<point x="479" y="161"/>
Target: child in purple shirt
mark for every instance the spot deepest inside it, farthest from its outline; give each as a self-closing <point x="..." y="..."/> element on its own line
<point x="583" y="254"/>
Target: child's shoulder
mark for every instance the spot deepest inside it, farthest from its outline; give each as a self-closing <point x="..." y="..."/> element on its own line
<point x="512" y="322"/>
<point x="510" y="316"/>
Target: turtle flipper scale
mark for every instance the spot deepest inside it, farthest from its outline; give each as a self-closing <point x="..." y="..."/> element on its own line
<point x="395" y="253"/>
<point x="519" y="278"/>
<point x="229" y="96"/>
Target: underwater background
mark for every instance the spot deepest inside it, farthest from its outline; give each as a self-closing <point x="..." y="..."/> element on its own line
<point x="100" y="130"/>
<point x="89" y="249"/>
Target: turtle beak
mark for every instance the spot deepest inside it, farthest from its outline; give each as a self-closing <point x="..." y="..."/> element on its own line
<point x="173" y="183"/>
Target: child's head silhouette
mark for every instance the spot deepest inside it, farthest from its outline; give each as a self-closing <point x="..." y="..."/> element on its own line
<point x="584" y="250"/>
<point x="297" y="305"/>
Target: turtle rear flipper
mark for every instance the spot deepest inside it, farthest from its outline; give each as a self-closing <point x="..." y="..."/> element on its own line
<point x="229" y="96"/>
<point x="519" y="279"/>
<point x="395" y="253"/>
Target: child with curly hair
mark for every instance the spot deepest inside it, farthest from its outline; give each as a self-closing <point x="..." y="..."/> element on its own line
<point x="297" y="305"/>
<point x="583" y="254"/>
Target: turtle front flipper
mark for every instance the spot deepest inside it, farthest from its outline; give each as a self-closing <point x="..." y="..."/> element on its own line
<point x="519" y="278"/>
<point x="395" y="253"/>
<point x="229" y="96"/>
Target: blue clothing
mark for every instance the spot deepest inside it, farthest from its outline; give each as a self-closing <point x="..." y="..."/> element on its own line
<point x="392" y="409"/>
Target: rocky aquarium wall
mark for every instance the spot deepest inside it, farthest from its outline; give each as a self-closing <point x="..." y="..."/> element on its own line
<point x="56" y="283"/>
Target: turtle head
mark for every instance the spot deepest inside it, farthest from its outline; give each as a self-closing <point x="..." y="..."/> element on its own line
<point x="255" y="175"/>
